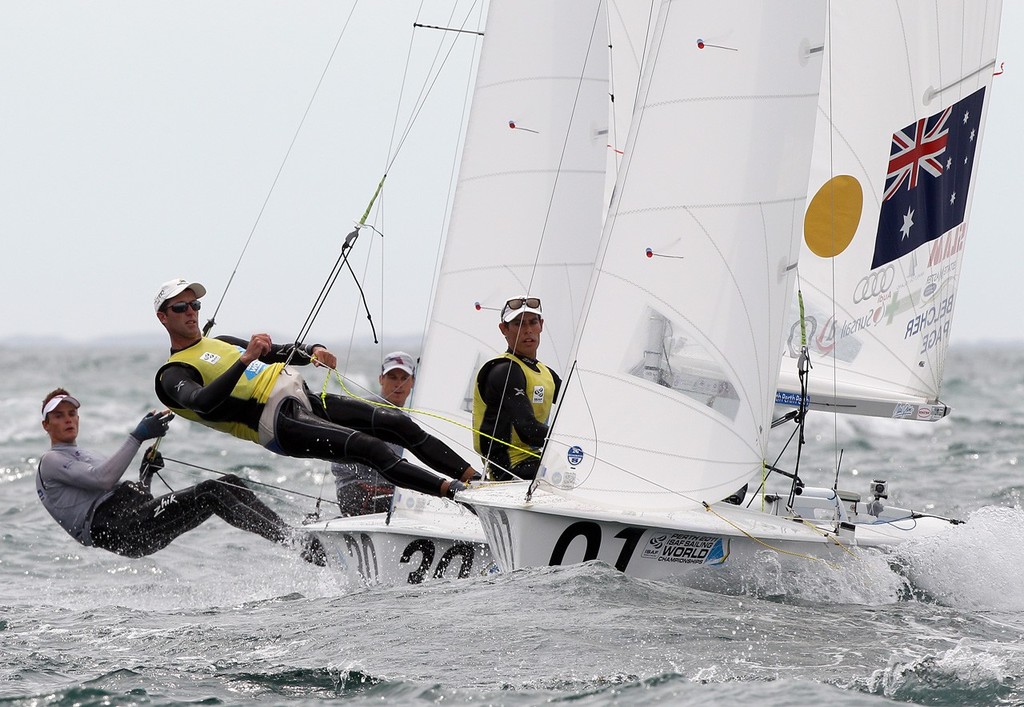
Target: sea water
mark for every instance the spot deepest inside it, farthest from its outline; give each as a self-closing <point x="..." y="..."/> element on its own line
<point x="225" y="617"/>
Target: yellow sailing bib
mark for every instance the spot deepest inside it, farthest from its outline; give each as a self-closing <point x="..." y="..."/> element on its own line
<point x="211" y="358"/>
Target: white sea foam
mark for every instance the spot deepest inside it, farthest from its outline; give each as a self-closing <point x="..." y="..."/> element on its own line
<point x="978" y="565"/>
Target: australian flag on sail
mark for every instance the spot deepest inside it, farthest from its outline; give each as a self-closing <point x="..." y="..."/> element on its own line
<point x="930" y="165"/>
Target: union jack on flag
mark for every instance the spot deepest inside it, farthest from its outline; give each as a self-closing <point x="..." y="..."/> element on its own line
<point x="920" y="149"/>
<point x="927" y="178"/>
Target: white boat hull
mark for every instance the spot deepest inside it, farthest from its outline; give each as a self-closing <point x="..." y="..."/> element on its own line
<point x="413" y="547"/>
<point x="549" y="530"/>
<point x="552" y="530"/>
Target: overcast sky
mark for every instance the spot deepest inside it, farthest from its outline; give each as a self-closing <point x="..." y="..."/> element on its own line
<point x="139" y="141"/>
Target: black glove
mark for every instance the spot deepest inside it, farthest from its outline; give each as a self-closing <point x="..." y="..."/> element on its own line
<point x="154" y="424"/>
<point x="152" y="462"/>
<point x="454" y="487"/>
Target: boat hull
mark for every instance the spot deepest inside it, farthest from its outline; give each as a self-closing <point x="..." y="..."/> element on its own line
<point x="410" y="549"/>
<point x="548" y="530"/>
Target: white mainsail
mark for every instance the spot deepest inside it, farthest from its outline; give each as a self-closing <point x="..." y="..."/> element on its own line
<point x="669" y="401"/>
<point x="529" y="201"/>
<point x="901" y="113"/>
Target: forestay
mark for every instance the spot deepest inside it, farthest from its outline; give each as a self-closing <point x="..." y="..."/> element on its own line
<point x="902" y="108"/>
<point x="670" y="399"/>
<point x="630" y="23"/>
<point x="529" y="199"/>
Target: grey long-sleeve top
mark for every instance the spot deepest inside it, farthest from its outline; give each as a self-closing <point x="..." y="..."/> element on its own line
<point x="72" y="482"/>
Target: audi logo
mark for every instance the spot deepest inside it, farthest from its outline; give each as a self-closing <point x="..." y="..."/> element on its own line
<point x="875" y="283"/>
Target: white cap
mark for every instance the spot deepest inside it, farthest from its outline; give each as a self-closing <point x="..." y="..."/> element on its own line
<point x="398" y="359"/>
<point x="173" y="288"/>
<point x="56" y="400"/>
<point x="510" y="312"/>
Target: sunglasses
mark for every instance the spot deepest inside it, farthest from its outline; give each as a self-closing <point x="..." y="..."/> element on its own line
<point x="518" y="302"/>
<point x="180" y="307"/>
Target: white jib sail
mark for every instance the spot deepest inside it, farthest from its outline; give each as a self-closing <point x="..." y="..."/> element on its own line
<point x="529" y="200"/>
<point x="630" y="24"/>
<point x="905" y="87"/>
<point x="670" y="398"/>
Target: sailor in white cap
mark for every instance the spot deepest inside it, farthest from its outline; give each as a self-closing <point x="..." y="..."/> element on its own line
<point x="513" y="396"/>
<point x="360" y="489"/>
<point x="244" y="387"/>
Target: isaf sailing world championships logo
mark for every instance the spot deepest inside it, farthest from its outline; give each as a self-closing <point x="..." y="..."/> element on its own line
<point x="687" y="549"/>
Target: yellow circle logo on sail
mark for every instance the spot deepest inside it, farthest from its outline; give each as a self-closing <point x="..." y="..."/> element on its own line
<point x="833" y="215"/>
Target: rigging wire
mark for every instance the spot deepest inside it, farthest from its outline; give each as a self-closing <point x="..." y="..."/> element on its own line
<point x="342" y="261"/>
<point x="435" y="70"/>
<point x="450" y="192"/>
<point x="248" y="481"/>
<point x="213" y="317"/>
<point x="350" y="240"/>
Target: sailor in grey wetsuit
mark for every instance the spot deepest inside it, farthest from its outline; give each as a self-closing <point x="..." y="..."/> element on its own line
<point x="84" y="493"/>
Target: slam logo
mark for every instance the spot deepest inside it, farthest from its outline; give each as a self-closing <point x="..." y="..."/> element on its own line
<point x="687" y="549"/>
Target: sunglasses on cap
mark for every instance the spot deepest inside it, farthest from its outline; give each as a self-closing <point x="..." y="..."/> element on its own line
<point x="519" y="302"/>
<point x="180" y="307"/>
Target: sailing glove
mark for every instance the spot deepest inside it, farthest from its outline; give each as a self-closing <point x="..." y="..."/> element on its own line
<point x="454" y="486"/>
<point x="154" y="424"/>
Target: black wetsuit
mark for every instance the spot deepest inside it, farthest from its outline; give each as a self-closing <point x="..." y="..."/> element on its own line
<point x="134" y="523"/>
<point x="336" y="428"/>
<point x="82" y="491"/>
<point x="498" y="382"/>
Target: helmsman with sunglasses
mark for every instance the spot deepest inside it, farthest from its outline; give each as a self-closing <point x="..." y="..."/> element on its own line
<point x="513" y="396"/>
<point x="246" y="389"/>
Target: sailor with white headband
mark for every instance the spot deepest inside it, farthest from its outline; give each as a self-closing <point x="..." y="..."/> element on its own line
<point x="84" y="493"/>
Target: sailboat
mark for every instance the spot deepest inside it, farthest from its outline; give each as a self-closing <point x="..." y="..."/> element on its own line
<point x="526" y="217"/>
<point x="769" y="143"/>
<point x="879" y="293"/>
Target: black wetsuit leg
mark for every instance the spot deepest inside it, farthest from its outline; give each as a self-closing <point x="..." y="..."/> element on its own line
<point x="300" y="433"/>
<point x="134" y="523"/>
<point x="362" y="499"/>
<point x="391" y="426"/>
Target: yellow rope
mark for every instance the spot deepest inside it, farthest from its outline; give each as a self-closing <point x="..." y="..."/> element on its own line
<point x="779" y="550"/>
<point x="386" y="404"/>
<point x="834" y="539"/>
<point x="803" y="319"/>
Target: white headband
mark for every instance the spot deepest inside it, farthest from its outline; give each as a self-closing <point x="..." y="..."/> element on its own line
<point x="56" y="400"/>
